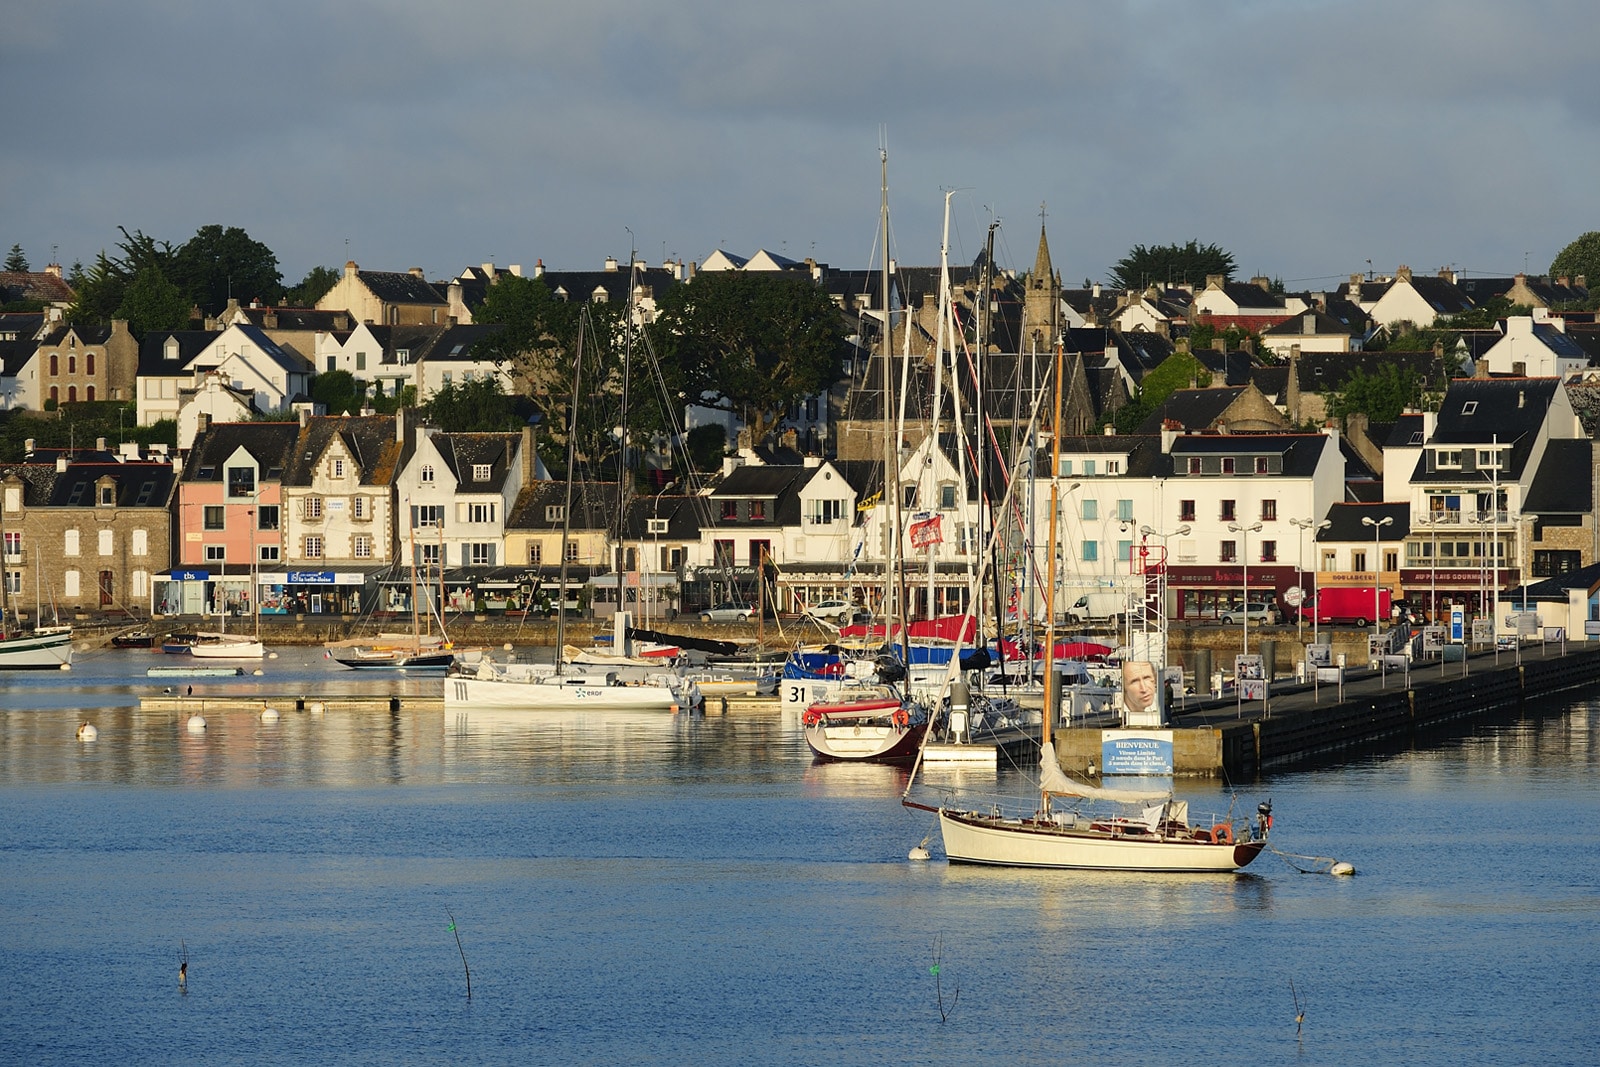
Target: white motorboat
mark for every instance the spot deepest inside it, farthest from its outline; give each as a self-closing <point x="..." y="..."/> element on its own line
<point x="540" y="687"/>
<point x="226" y="646"/>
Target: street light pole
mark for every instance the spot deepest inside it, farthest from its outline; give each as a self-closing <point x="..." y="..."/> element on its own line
<point x="1377" y="525"/>
<point x="1244" y="562"/>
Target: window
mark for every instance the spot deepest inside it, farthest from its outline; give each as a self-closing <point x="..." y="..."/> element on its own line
<point x="333" y="364"/>
<point x="535" y="552"/>
<point x="361" y="546"/>
<point x="824" y="511"/>
<point x="1469" y="408"/>
<point x="358" y="507"/>
<point x="480" y="472"/>
<point x="108" y="495"/>
<point x="1124" y="551"/>
<point x="1488" y="458"/>
<point x="13" y="544"/>
<point x="313" y="547"/>
<point x="758" y="509"/>
<point x="1091" y="551"/>
<point x="1358" y="560"/>
<point x="267" y="553"/>
<point x="214" y="519"/>
<point x="481" y="554"/>
<point x="72" y="394"/>
<point x="572" y="551"/>
<point x="1269" y="552"/>
<point x="1261" y="465"/>
<point x="1269" y="511"/>
<point x="216" y="553"/>
<point x="480" y="512"/>
<point x="1186" y="511"/>
<point x="338" y="468"/>
<point x="947" y="496"/>
<point x="1124" y="511"/>
<point x="146" y="491"/>
<point x="107" y="541"/>
<point x="656" y="526"/>
<point x="730" y="509"/>
<point x="267" y="517"/>
<point x="70" y="582"/>
<point x="428" y="555"/>
<point x="88" y="364"/>
<point x="313" y="507"/>
<point x="722" y="553"/>
<point x="1329" y="559"/>
<point x="427" y="515"/>
<point x="241" y="481"/>
<point x="55" y="366"/>
<point x="1088" y="466"/>
<point x="1066" y="467"/>
<point x="427" y="472"/>
<point x="555" y="513"/>
<point x="1547" y="562"/>
<point x="55" y="394"/>
<point x="1227" y="465"/>
<point x="1091" y="510"/>
<point x="1229" y="552"/>
<point x="88" y="393"/>
<point x="908" y="496"/>
<point x="72" y="366"/>
<point x="1229" y="512"/>
<point x="1194" y="464"/>
<point x="1113" y="466"/>
<point x="69" y="543"/>
<point x="1447" y="457"/>
<point x="361" y="361"/>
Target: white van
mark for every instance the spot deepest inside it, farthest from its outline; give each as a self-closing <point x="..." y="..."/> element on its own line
<point x="1098" y="607"/>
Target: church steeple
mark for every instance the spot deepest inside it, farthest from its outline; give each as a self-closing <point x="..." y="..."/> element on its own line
<point x="1042" y="301"/>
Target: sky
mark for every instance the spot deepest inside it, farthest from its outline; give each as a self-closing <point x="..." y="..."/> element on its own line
<point x="1310" y="139"/>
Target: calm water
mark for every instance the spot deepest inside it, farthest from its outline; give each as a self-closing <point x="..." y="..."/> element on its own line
<point x="696" y="890"/>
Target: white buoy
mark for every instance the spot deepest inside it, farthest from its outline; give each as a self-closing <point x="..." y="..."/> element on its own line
<point x="918" y="853"/>
<point x="1342" y="869"/>
<point x="506" y="646"/>
<point x="66" y="666"/>
<point x="270" y="655"/>
<point x="317" y="708"/>
<point x="197" y="724"/>
<point x="269" y="714"/>
<point x="87" y="732"/>
<point x="256" y="672"/>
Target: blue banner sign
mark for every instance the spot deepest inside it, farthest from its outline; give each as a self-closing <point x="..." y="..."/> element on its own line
<point x="1147" y="752"/>
<point x="310" y="577"/>
<point x="1458" y="616"/>
<point x="191" y="576"/>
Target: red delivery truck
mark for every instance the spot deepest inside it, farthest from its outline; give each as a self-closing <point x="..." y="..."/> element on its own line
<point x="1352" y="605"/>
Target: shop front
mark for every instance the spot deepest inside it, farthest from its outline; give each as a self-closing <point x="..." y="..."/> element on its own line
<point x="312" y="592"/>
<point x="190" y="591"/>
<point x="1473" y="586"/>
<point x="1201" y="594"/>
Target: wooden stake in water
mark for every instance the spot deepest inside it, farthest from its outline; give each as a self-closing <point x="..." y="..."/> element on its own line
<point x="463" y="952"/>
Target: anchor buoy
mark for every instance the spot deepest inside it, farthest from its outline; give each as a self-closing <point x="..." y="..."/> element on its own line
<point x="1222" y="834"/>
<point x="901" y="718"/>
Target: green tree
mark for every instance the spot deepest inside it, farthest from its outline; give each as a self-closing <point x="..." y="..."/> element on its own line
<point x="1580" y="257"/>
<point x="1162" y="264"/>
<point x="477" y="406"/>
<point x="338" y="391"/>
<point x="313" y="287"/>
<point x="150" y="302"/>
<point x="17" y="261"/>
<point x="101" y="288"/>
<point x="1382" y="396"/>
<point x="753" y="343"/>
<point x="217" y="264"/>
<point x="1175" y="372"/>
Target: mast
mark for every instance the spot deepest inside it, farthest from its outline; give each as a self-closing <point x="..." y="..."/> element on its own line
<point x="622" y="457"/>
<point x="1052" y="685"/>
<point x="891" y="474"/>
<point x="566" y="510"/>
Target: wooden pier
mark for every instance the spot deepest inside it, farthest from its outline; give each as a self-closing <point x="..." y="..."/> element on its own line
<point x="189" y="705"/>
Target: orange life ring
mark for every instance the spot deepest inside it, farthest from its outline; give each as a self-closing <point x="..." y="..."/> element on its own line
<point x="1222" y="833"/>
<point x="901" y="718"/>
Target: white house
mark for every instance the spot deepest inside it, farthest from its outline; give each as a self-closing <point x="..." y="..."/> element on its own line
<point x="241" y="355"/>
<point x="456" y="494"/>
<point x="1536" y="346"/>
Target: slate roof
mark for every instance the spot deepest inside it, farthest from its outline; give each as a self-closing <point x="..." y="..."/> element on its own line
<point x="1554" y="489"/>
<point x="370" y="440"/>
<point x="1405" y="432"/>
<point x="1476" y="411"/>
<point x="400" y="287"/>
<point x="88" y="333"/>
<point x="1192" y="409"/>
<point x="16" y="285"/>
<point x="1442" y="295"/>
<point x="1249" y="295"/>
<point x="270" y="443"/>
<point x="1299" y="453"/>
<point x="449" y="343"/>
<point x="685" y="517"/>
<point x="1556" y="341"/>
<point x="1556" y="587"/>
<point x="152" y="361"/>
<point x="1323" y="324"/>
<point x="287" y="358"/>
<point x="1322" y="372"/>
<point x="1145" y="459"/>
<point x="1141" y="352"/>
<point x="1234" y="367"/>
<point x="460" y="452"/>
<point x="14" y="355"/>
<point x="288" y="318"/>
<point x="1347" y="525"/>
<point x="581" y="285"/>
<point x="594" y="506"/>
<point x="20" y="325"/>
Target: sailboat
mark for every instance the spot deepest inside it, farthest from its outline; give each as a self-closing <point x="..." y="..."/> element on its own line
<point x="41" y="648"/>
<point x="1106" y="829"/>
<point x="869" y="717"/>
<point x="416" y="651"/>
<point x="220" y="644"/>
<point x="478" y="681"/>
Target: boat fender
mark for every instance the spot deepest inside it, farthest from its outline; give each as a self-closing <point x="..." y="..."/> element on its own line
<point x="1222" y="834"/>
<point x="811" y="717"/>
<point x="901" y="718"/>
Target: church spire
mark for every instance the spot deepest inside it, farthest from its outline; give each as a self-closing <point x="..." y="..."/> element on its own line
<point x="1042" y="273"/>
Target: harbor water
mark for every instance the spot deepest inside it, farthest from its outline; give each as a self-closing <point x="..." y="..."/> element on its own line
<point x="684" y="889"/>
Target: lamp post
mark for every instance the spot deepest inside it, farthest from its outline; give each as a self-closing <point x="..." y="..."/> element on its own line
<point x="1377" y="525"/>
<point x="1300" y="615"/>
<point x="1161" y="579"/>
<point x="1244" y="562"/>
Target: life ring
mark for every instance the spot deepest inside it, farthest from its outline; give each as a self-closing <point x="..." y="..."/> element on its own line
<point x="1222" y="833"/>
<point x="901" y="718"/>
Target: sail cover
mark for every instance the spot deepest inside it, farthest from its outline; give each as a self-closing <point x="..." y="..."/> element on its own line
<point x="1055" y="783"/>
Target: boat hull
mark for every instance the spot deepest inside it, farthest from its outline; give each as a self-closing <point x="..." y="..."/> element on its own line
<point x="554" y="693"/>
<point x="865" y="742"/>
<point x="227" y="650"/>
<point x="36" y="651"/>
<point x="971" y="837"/>
<point x="401" y="661"/>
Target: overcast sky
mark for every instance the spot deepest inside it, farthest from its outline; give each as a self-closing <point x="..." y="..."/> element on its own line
<point x="1309" y="138"/>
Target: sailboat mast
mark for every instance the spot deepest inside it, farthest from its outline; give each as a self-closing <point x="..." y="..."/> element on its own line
<point x="622" y="457"/>
<point x="1052" y="684"/>
<point x="891" y="477"/>
<point x="566" y="510"/>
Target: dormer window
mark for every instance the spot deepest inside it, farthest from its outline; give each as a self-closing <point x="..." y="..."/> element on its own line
<point x="338" y="468"/>
<point x="108" y="495"/>
<point x="555" y="513"/>
<point x="170" y="349"/>
<point x="656" y="526"/>
<point x="1469" y="408"/>
<point x="1448" y="457"/>
<point x="480" y="472"/>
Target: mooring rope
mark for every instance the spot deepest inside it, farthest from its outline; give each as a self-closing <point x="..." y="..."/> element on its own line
<point x="1322" y="864"/>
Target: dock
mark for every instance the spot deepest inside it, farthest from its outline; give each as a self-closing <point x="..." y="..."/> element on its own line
<point x="189" y="705"/>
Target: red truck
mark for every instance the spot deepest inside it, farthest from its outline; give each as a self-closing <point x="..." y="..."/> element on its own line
<point x="1346" y="604"/>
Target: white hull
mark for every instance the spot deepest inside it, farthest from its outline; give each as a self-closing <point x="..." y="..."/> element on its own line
<point x="975" y="838"/>
<point x="534" y="689"/>
<point x="35" y="651"/>
<point x="227" y="648"/>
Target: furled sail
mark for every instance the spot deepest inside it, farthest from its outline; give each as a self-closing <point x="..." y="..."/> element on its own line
<point x="1055" y="783"/>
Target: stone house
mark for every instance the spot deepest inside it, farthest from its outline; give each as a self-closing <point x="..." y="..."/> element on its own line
<point x="386" y="298"/>
<point x="74" y="363"/>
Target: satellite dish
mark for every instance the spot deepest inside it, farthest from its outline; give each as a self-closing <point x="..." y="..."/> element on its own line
<point x="1294" y="596"/>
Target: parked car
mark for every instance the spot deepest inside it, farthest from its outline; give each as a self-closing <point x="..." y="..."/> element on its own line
<point x="835" y="610"/>
<point x="1260" y="613"/>
<point x="729" y="612"/>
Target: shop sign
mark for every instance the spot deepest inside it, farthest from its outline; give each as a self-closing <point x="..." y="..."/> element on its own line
<point x="191" y="576"/>
<point x="310" y="578"/>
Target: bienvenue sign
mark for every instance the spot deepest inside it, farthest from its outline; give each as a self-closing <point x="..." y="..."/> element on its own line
<point x="1145" y="752"/>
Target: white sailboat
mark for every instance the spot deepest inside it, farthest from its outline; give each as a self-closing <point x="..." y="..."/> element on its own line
<point x="41" y="648"/>
<point x="1105" y="829"/>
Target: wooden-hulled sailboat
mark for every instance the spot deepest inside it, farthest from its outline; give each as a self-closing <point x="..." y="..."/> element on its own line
<point x="416" y="651"/>
<point x="1135" y="830"/>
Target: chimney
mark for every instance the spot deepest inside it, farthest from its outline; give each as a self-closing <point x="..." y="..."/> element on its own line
<point x="1095" y="292"/>
<point x="202" y="423"/>
<point x="350" y="268"/>
<point x="1402" y="273"/>
<point x="1519" y="369"/>
<point x="488" y="270"/>
<point x="1213" y="281"/>
<point x="415" y="272"/>
<point x="1263" y="281"/>
<point x="27" y="447"/>
<point x="1110" y="430"/>
<point x="1308" y="325"/>
<point x="99" y="444"/>
<point x="538" y="268"/>
<point x="515" y="270"/>
<point x="527" y="455"/>
<point x="61" y="463"/>
<point x="54" y="270"/>
<point x="1291" y="388"/>
<point x="305" y="417"/>
<point x="1480" y="368"/>
<point x="611" y="263"/>
<point x="270" y="320"/>
<point x="400" y="426"/>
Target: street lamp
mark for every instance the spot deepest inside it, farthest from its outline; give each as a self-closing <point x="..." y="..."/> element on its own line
<point x="1244" y="561"/>
<point x="1161" y="579"/>
<point x="1300" y="615"/>
<point x="1377" y="525"/>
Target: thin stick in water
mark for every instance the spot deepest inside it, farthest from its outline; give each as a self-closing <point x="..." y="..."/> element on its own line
<point x="463" y="952"/>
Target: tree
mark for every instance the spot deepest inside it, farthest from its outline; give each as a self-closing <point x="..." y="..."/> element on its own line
<point x="338" y="391"/>
<point x="217" y="264"/>
<point x="313" y="287"/>
<point x="752" y="343"/>
<point x="150" y="302"/>
<point x="101" y="288"/>
<point x="1580" y="257"/>
<point x="1162" y="264"/>
<point x="1382" y="396"/>
<point x="477" y="406"/>
<point x="539" y="330"/>
<point x="1175" y="372"/>
<point x="17" y="261"/>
